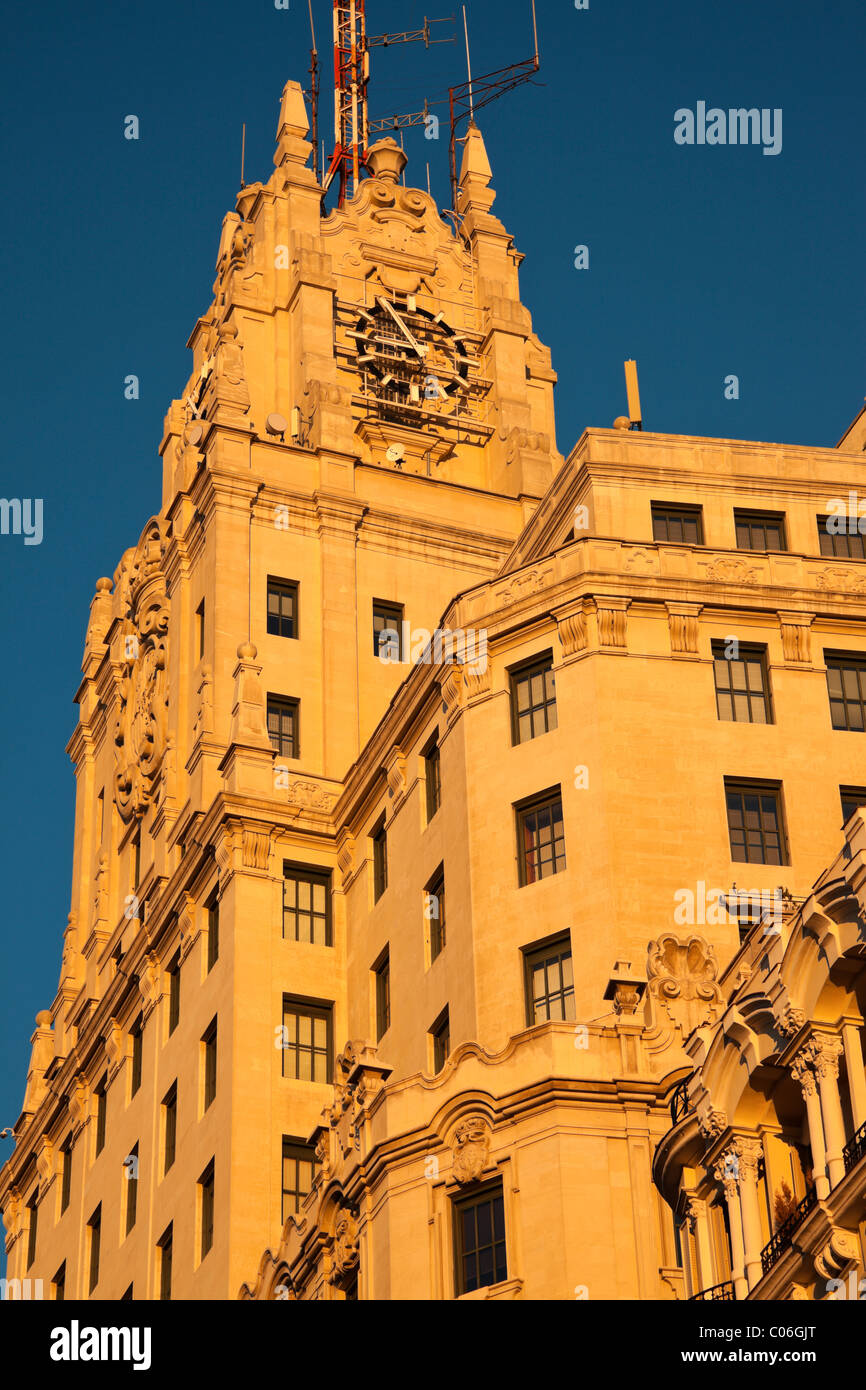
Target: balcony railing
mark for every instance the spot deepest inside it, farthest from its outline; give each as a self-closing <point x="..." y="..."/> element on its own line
<point x="775" y="1248"/>
<point x="679" y="1102"/>
<point x="855" y="1149"/>
<point x="719" y="1293"/>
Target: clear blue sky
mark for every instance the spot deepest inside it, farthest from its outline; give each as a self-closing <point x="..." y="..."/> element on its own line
<point x="704" y="261"/>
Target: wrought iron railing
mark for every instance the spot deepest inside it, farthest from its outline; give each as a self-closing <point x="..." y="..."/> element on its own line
<point x="855" y="1149"/>
<point x="776" y="1247"/>
<point x="719" y="1293"/>
<point x="679" y="1102"/>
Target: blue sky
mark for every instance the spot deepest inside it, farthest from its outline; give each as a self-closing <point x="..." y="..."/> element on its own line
<point x="704" y="261"/>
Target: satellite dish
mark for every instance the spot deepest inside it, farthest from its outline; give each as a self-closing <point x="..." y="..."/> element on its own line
<point x="275" y="424"/>
<point x="395" y="453"/>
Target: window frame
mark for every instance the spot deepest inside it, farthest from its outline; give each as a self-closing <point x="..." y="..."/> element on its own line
<point x="544" y="952"/>
<point x="746" y="652"/>
<point x="137" y="1058"/>
<point x="101" y="1115"/>
<point x="165" y="1246"/>
<point x="390" y="611"/>
<point x="213" y="931"/>
<point x="94" y="1226"/>
<point x="432" y="756"/>
<point x="681" y="511"/>
<point x="207" y="1209"/>
<point x="173" y="973"/>
<point x="296" y="1151"/>
<point x="440" y="1035"/>
<point x="758" y="787"/>
<point x="66" y="1174"/>
<point x="316" y="876"/>
<point x="852" y="661"/>
<point x="856" y="795"/>
<point x="209" y="1073"/>
<point x="282" y="588"/>
<point x="131" y="1180"/>
<point x="540" y="664"/>
<point x="379" y="838"/>
<point x="752" y="518"/>
<point x="522" y="809"/>
<point x="283" y="705"/>
<point x="488" y="1192"/>
<point x="381" y="969"/>
<point x="301" y="1006"/>
<point x="833" y="536"/>
<point x="435" y="887"/>
<point x="169" y="1127"/>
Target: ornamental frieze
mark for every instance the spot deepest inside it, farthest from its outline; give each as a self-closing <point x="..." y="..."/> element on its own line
<point x="141" y="722"/>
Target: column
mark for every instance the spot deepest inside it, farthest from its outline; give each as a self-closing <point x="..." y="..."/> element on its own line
<point x="697" y="1214"/>
<point x="726" y="1172"/>
<point x="856" y="1074"/>
<point x="801" y="1070"/>
<point x="749" y="1152"/>
<point x="828" y="1050"/>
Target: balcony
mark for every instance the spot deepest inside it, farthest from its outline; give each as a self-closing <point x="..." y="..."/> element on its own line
<point x="775" y="1248"/>
<point x="855" y="1149"/>
<point x="719" y="1293"/>
<point x="679" y="1102"/>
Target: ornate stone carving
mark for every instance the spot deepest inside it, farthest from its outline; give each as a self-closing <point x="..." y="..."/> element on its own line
<point x="115" y="1046"/>
<point x="789" y="1021"/>
<point x="204" y="715"/>
<point x="796" y="644"/>
<point x="44" y="1160"/>
<point x="79" y="1101"/>
<point x="256" y="848"/>
<point x="346" y="851"/>
<point x="850" y="581"/>
<point x="612" y="623"/>
<point x="149" y="983"/>
<point x="452" y="689"/>
<point x="572" y="631"/>
<point x="311" y="796"/>
<point x="837" y="1253"/>
<point x="684" y="627"/>
<point x="731" y="571"/>
<point x="470" y="1148"/>
<point x="41" y="1057"/>
<point x="749" y="1155"/>
<point x="826" y="1049"/>
<point x="395" y="772"/>
<point x="802" y="1072"/>
<point x="525" y="583"/>
<point x="345" y="1254"/>
<point x="682" y="978"/>
<point x="141" y="719"/>
<point x="712" y="1122"/>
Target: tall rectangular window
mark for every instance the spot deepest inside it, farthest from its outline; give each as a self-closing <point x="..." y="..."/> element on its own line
<point x="759" y="530"/>
<point x="137" y="1049"/>
<point x="66" y="1176"/>
<point x="306" y="905"/>
<point x="164" y="1245"/>
<point x="852" y="798"/>
<point x="213" y="932"/>
<point x="549" y="978"/>
<point x="307" y="1041"/>
<point x="299" y="1166"/>
<point x="174" y="994"/>
<point x="388" y="630"/>
<point x="100" y="816"/>
<point x="283" y="726"/>
<point x="58" y="1285"/>
<point x="169" y="1120"/>
<point x="206" y="1189"/>
<point x="282" y="608"/>
<point x="382" y="972"/>
<point x="433" y="779"/>
<point x="94" y="1227"/>
<point x="846" y="684"/>
<point x="33" y="1213"/>
<point x="678" y="524"/>
<point x="130" y="1169"/>
<point x="209" y="1044"/>
<point x="434" y="911"/>
<point x="479" y="1240"/>
<point x="533" y="700"/>
<point x="540" y="838"/>
<point x="440" y="1035"/>
<point x="380" y="860"/>
<point x="841" y="544"/>
<point x="199" y="631"/>
<point x="755" y="822"/>
<point x="101" y="1106"/>
<point x="742" y="684"/>
<point x="136" y="859"/>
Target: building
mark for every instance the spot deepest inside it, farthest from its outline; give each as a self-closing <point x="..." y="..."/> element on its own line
<point x="426" y="786"/>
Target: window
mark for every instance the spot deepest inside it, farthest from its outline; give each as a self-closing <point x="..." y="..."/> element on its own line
<point x="100" y="817"/>
<point x="169" y="1108"/>
<point x="58" y="1285"/>
<point x="433" y="779"/>
<point x="94" y="1226"/>
<point x="540" y="838"/>
<point x="136" y="859"/>
<point x="137" y="1043"/>
<point x="101" y="1105"/>
<point x="199" y="630"/>
<point x="299" y="1166"/>
<point x="174" y="994"/>
<point x="434" y="911"/>
<point x="382" y="973"/>
<point x="213" y="933"/>
<point x="388" y="630"/>
<point x="380" y="860"/>
<point x="306" y="905"/>
<point x="127" y="1297"/>
<point x="846" y="683"/>
<point x="479" y="1240"/>
<point x="852" y="798"/>
<point x="282" y="608"/>
<point x="283" y="722"/>
<point x="33" y="1209"/>
<point x="549" y="981"/>
<point x="533" y="700"/>
<point x="164" y="1245"/>
<point x="760" y="530"/>
<point x="742" y="684"/>
<point x="755" y="823"/>
<point x="847" y="544"/>
<point x="206" y="1187"/>
<point x="672" y="523"/>
<point x="306" y="1040"/>
<point x="130" y="1173"/>
<point x="66" y="1176"/>
<point x="209" y="1043"/>
<point x="440" y="1035"/>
